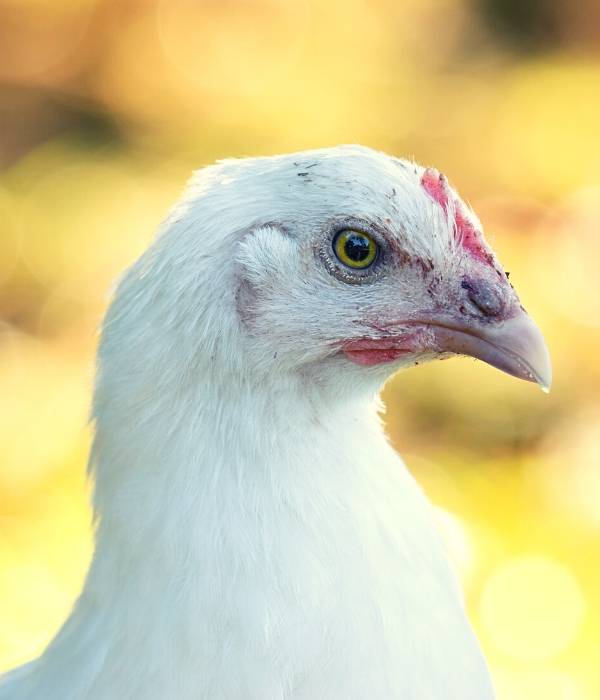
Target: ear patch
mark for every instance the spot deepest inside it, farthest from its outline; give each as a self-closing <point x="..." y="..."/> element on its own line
<point x="467" y="235"/>
<point x="265" y="258"/>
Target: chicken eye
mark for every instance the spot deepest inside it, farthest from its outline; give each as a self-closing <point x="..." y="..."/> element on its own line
<point x="355" y="249"/>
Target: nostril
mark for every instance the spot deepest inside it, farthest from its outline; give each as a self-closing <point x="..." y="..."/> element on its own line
<point x="483" y="295"/>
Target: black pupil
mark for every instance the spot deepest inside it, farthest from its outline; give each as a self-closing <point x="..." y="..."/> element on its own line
<point x="357" y="247"/>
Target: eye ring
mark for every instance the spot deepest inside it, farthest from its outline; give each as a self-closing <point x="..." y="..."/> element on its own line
<point x="355" y="249"/>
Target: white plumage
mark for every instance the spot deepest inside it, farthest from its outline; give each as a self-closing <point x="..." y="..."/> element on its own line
<point x="257" y="538"/>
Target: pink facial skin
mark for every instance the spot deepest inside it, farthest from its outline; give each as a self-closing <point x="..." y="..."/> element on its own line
<point x="436" y="186"/>
<point x="369" y="354"/>
<point x="371" y="351"/>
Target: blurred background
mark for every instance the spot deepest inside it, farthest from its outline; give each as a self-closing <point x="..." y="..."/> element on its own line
<point x="105" y="108"/>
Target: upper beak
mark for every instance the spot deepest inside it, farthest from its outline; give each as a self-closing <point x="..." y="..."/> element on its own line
<point x="514" y="345"/>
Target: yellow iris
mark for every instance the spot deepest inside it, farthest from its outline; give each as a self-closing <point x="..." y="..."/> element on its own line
<point x="355" y="249"/>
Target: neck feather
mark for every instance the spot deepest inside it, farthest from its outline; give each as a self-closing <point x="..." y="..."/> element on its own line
<point x="235" y="531"/>
<point x="231" y="451"/>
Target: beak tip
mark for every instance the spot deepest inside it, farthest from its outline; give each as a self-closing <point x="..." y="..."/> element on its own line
<point x="544" y="377"/>
<point x="545" y="384"/>
<point x="534" y="352"/>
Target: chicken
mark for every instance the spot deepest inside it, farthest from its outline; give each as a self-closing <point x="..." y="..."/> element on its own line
<point x="257" y="538"/>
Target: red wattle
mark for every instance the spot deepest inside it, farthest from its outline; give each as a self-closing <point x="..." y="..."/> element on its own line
<point x="374" y="357"/>
<point x="375" y="351"/>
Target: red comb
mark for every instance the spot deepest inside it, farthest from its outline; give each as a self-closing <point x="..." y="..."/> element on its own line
<point x="436" y="186"/>
<point x="469" y="237"/>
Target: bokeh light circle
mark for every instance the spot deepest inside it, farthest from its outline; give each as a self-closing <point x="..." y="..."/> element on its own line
<point x="38" y="35"/>
<point x="79" y="245"/>
<point x="44" y="407"/>
<point x="568" y="470"/>
<point x="8" y="231"/>
<point x="572" y="250"/>
<point x="230" y="46"/>
<point x="532" y="608"/>
<point x="538" y="685"/>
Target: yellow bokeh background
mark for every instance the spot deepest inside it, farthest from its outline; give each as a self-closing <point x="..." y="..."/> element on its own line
<point x="107" y="105"/>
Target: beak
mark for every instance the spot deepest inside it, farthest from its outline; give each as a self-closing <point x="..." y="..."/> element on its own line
<point x="515" y="346"/>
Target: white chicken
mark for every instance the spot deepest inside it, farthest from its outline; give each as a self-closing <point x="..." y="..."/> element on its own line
<point x="257" y="538"/>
